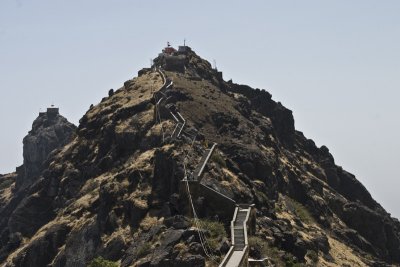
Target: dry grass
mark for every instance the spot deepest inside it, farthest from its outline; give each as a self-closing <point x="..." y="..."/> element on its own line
<point x="342" y="255"/>
<point x="143" y="161"/>
<point x="232" y="181"/>
<point x="6" y="185"/>
<point x="181" y="248"/>
<point x="149" y="222"/>
<point x="140" y="203"/>
<point x="141" y="89"/>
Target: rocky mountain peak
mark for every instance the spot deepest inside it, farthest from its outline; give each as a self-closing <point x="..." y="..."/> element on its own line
<point x="161" y="168"/>
<point x="185" y="60"/>
<point x="49" y="131"/>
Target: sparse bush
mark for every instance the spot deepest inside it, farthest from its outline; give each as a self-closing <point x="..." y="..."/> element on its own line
<point x="217" y="158"/>
<point x="265" y="249"/>
<point x="216" y="230"/>
<point x="148" y="222"/>
<point x="149" y="106"/>
<point x="180" y="248"/>
<point x="261" y="197"/>
<point x="293" y="263"/>
<point x="300" y="210"/>
<point x="278" y="208"/>
<point x="6" y="183"/>
<point x="101" y="262"/>
<point x="143" y="250"/>
<point x="313" y="256"/>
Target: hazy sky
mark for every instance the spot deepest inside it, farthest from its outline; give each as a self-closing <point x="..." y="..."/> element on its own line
<point x="336" y="64"/>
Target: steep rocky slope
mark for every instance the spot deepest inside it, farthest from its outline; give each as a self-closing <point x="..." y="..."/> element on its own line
<point x="114" y="190"/>
<point x="50" y="131"/>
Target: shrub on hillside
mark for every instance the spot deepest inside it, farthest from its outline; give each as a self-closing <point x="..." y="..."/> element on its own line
<point x="101" y="262"/>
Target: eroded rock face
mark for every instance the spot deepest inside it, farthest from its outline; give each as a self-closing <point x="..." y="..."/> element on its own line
<point x="49" y="132"/>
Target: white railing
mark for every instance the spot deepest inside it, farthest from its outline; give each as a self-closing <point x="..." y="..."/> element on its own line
<point x="233" y="226"/>
<point x="200" y="173"/>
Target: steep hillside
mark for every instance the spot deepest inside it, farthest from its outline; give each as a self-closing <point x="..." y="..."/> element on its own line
<point x="115" y="189"/>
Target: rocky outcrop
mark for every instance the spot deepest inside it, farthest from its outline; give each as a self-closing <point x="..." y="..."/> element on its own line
<point x="49" y="132"/>
<point x="24" y="208"/>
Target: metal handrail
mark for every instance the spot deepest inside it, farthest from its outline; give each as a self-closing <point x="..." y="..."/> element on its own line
<point x="232" y="226"/>
<point x="199" y="175"/>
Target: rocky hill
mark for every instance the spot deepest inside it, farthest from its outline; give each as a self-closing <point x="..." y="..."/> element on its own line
<point x="50" y="131"/>
<point x="113" y="188"/>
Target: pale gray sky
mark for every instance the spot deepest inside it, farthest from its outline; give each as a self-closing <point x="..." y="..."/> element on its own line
<point x="335" y="63"/>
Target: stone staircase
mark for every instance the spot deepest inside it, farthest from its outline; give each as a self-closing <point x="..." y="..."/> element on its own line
<point x="239" y="228"/>
<point x="239" y="250"/>
<point x="238" y="254"/>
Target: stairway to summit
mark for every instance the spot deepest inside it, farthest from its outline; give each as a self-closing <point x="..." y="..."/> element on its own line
<point x="238" y="253"/>
<point x="116" y="188"/>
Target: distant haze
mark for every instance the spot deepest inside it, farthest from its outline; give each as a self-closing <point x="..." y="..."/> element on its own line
<point x="336" y="64"/>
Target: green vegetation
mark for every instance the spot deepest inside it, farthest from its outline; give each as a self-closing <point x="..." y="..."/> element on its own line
<point x="261" y="197"/>
<point x="6" y="183"/>
<point x="217" y="158"/>
<point x="273" y="253"/>
<point x="101" y="262"/>
<point x="216" y="231"/>
<point x="300" y="210"/>
<point x="313" y="256"/>
<point x="143" y="250"/>
<point x="149" y="106"/>
<point x="293" y="263"/>
<point x="266" y="250"/>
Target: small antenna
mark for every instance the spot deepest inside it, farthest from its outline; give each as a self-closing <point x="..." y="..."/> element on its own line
<point x="184" y="42"/>
<point x="215" y="64"/>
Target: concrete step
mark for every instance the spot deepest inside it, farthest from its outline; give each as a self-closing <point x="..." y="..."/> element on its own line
<point x="239" y="248"/>
<point x="240" y="219"/>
